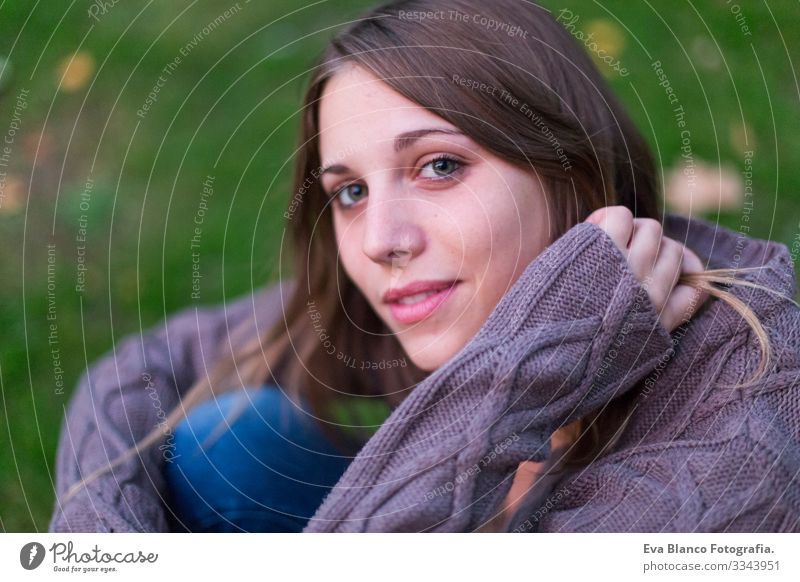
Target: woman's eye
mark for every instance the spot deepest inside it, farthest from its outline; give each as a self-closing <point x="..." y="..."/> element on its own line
<point x="441" y="167"/>
<point x="353" y="191"/>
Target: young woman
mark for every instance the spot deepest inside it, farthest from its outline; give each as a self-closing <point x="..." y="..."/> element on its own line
<point x="466" y="201"/>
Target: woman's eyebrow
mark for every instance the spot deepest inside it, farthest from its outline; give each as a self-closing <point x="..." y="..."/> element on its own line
<point x="407" y="139"/>
<point x="402" y="141"/>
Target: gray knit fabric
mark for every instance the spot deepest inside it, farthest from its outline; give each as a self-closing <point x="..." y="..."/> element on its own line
<point x="575" y="331"/>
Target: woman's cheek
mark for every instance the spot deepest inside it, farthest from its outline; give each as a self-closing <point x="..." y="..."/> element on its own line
<point x="485" y="239"/>
<point x="351" y="258"/>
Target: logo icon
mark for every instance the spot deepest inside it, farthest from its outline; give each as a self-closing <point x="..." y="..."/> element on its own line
<point x="31" y="555"/>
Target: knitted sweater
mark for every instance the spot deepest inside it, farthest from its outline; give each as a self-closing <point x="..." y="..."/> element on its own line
<point x="575" y="331"/>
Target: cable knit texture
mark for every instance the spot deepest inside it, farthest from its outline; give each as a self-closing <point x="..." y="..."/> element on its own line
<point x="575" y="331"/>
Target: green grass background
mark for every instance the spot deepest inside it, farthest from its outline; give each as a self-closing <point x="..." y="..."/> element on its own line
<point x="148" y="173"/>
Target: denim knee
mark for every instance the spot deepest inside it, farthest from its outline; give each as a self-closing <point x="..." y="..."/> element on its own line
<point x="268" y="471"/>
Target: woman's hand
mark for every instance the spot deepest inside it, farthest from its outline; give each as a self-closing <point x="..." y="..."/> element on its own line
<point x="656" y="260"/>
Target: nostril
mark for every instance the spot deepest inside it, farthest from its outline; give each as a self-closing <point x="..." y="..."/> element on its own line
<point x="400" y="255"/>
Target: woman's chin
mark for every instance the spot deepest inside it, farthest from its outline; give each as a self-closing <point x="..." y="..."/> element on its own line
<point x="430" y="357"/>
<point x="427" y="365"/>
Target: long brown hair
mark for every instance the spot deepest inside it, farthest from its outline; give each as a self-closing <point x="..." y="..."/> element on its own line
<point x="574" y="134"/>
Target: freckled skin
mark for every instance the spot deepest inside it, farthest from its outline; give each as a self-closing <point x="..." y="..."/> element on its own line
<point x="483" y="226"/>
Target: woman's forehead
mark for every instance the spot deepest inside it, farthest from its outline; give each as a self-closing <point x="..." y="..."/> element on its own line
<point x="358" y="111"/>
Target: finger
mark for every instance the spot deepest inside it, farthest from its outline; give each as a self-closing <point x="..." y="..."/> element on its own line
<point x="666" y="271"/>
<point x="683" y="303"/>
<point x="691" y="262"/>
<point x="594" y="217"/>
<point x="644" y="246"/>
<point x="617" y="221"/>
<point x="685" y="300"/>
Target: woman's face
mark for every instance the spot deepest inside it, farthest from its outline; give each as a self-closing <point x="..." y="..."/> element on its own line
<point x="430" y="205"/>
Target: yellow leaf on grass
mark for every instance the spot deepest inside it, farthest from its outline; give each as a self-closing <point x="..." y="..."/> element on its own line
<point x="605" y="41"/>
<point x="75" y="71"/>
<point x="608" y="36"/>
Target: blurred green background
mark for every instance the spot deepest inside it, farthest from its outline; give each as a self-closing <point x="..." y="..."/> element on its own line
<point x="83" y="163"/>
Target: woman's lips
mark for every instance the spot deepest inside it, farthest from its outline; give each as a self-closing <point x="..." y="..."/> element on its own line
<point x="414" y="312"/>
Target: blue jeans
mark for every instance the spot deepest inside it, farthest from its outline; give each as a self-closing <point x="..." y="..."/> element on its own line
<point x="268" y="472"/>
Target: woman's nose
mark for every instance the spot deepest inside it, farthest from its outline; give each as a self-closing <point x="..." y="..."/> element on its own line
<point x="392" y="232"/>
